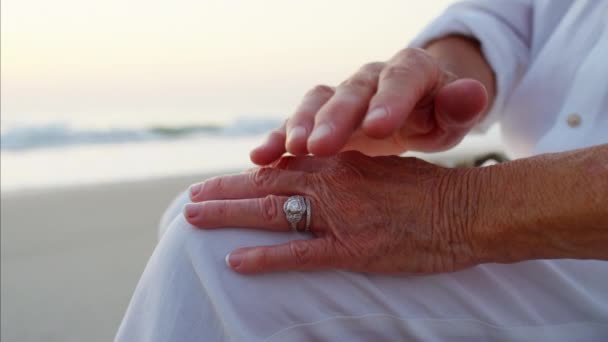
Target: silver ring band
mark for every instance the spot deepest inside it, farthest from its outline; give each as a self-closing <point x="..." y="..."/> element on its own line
<point x="308" y="215"/>
<point x="295" y="208"/>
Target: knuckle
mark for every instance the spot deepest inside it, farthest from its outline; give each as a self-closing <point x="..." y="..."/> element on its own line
<point x="301" y="253"/>
<point x="307" y="181"/>
<point x="398" y="71"/>
<point x="269" y="206"/>
<point x="346" y="168"/>
<point x="321" y="89"/>
<point x="211" y="214"/>
<point x="419" y="58"/>
<point x="262" y="176"/>
<point x="360" y="82"/>
<point x="212" y="185"/>
<point x="414" y="54"/>
<point x="340" y="104"/>
<point x="262" y="260"/>
<point x="373" y="67"/>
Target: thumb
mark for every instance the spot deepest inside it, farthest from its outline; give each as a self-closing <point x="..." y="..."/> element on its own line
<point x="294" y="255"/>
<point x="460" y="104"/>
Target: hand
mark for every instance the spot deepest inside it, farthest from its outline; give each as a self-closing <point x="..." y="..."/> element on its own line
<point x="410" y="102"/>
<point x="369" y="214"/>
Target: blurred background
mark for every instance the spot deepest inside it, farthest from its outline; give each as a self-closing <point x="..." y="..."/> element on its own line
<point x="110" y="108"/>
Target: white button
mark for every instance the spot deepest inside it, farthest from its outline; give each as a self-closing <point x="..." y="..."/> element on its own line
<point x="574" y="120"/>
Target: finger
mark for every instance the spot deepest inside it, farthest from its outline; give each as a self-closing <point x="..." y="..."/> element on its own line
<point x="301" y="163"/>
<point x="300" y="124"/>
<point x="259" y="183"/>
<point x="403" y="82"/>
<point x="460" y="104"/>
<point x="296" y="255"/>
<point x="458" y="107"/>
<point x="454" y="99"/>
<point x="342" y="114"/>
<point x="271" y="149"/>
<point x="435" y="141"/>
<point x="420" y="121"/>
<point x="296" y="163"/>
<point x="259" y="213"/>
<point x="373" y="147"/>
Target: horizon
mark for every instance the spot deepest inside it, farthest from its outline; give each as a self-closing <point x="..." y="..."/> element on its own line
<point x="126" y="62"/>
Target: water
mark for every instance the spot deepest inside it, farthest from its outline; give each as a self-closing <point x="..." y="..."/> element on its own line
<point x="58" y="153"/>
<point x="24" y="137"/>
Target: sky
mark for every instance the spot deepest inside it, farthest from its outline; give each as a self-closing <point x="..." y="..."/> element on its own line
<point x="130" y="61"/>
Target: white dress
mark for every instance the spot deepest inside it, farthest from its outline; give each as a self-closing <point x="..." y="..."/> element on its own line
<point x="550" y="60"/>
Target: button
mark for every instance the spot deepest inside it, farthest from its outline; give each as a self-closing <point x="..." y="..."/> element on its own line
<point x="574" y="120"/>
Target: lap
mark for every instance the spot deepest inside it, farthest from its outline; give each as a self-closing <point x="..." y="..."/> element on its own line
<point x="187" y="293"/>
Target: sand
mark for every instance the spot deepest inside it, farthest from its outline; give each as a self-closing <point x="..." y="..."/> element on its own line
<point x="71" y="257"/>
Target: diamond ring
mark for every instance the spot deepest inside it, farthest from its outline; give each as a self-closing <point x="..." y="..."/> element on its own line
<point x="295" y="208"/>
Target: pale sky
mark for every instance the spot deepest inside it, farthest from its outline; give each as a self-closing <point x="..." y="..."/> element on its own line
<point x="129" y="60"/>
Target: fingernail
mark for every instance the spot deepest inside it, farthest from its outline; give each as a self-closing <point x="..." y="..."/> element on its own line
<point x="296" y="133"/>
<point x="376" y="114"/>
<point x="320" y="132"/>
<point x="234" y="259"/>
<point x="191" y="210"/>
<point x="195" y="189"/>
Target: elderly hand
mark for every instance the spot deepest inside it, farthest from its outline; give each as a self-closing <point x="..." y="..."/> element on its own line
<point x="411" y="102"/>
<point x="369" y="214"/>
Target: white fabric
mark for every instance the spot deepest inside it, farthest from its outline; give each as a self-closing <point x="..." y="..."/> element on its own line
<point x="188" y="293"/>
<point x="549" y="58"/>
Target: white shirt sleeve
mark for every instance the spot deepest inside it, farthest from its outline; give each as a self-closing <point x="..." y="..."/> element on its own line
<point x="504" y="29"/>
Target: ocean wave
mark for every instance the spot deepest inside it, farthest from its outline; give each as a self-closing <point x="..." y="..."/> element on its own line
<point x="24" y="137"/>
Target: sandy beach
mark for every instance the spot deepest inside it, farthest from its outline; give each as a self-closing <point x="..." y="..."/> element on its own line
<point x="71" y="256"/>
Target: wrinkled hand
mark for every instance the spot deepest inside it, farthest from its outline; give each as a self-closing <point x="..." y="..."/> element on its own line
<point x="410" y="102"/>
<point x="369" y="214"/>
